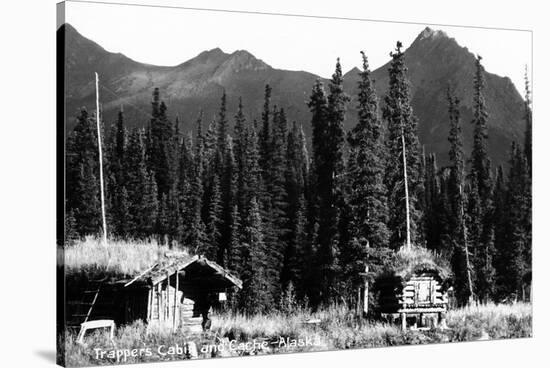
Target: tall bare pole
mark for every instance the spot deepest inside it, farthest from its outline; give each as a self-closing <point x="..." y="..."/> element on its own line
<point x="366" y="291"/>
<point x="406" y="187"/>
<point x="466" y="252"/>
<point x="100" y="160"/>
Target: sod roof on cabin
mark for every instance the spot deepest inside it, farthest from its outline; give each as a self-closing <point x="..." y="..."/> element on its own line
<point x="133" y="261"/>
<point x="120" y="259"/>
<point x="407" y="263"/>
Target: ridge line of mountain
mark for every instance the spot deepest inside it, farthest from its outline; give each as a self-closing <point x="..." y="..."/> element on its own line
<point x="434" y="61"/>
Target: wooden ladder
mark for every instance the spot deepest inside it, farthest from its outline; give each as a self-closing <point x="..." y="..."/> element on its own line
<point x="85" y="306"/>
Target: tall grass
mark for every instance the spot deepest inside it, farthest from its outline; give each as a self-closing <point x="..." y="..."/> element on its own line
<point x="134" y="336"/>
<point x="339" y="328"/>
<point x="336" y="327"/>
<point x="495" y="321"/>
<point x="119" y="257"/>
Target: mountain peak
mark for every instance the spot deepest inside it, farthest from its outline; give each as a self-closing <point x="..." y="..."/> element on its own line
<point x="353" y="71"/>
<point x="244" y="60"/>
<point x="432" y="34"/>
<point x="214" y="53"/>
<point x="242" y="53"/>
<point x="214" y="56"/>
<point x="436" y="41"/>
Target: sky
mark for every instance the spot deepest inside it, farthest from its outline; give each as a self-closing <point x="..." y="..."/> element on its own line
<point x="162" y="36"/>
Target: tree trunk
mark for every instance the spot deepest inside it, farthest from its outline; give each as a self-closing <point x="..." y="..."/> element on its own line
<point x="406" y="188"/>
<point x="466" y="252"/>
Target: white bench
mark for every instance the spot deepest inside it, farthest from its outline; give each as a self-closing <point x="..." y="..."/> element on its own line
<point x="91" y="325"/>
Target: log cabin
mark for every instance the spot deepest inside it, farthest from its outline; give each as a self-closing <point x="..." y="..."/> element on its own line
<point x="176" y="293"/>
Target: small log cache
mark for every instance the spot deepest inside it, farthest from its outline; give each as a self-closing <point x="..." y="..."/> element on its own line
<point x="414" y="291"/>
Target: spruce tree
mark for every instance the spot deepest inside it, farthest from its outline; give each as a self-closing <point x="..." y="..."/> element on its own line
<point x="255" y="296"/>
<point x="195" y="233"/>
<point x="366" y="169"/>
<point x="149" y="206"/>
<point x="116" y="186"/>
<point x="527" y="149"/>
<point x="298" y="252"/>
<point x="436" y="207"/>
<point x="318" y="107"/>
<point x="239" y="132"/>
<point x="279" y="198"/>
<point x="480" y="162"/>
<point x="121" y="218"/>
<point x="295" y="176"/>
<point x="444" y="213"/>
<point x="210" y="141"/>
<point x="162" y="221"/>
<point x="185" y="161"/>
<point x="265" y="196"/>
<point x="517" y="234"/>
<point x="162" y="149"/>
<point x="87" y="212"/>
<point x="174" y="223"/>
<point x="460" y="259"/>
<point x="251" y="179"/>
<point x="481" y="178"/>
<point x="211" y="156"/>
<point x="431" y="194"/>
<point x="500" y="202"/>
<point x="83" y="176"/>
<point x="70" y="236"/>
<point x="265" y="148"/>
<point x="228" y="187"/>
<point x="252" y="175"/>
<point x="367" y="191"/>
<point x="117" y="151"/>
<point x="304" y="161"/>
<point x="221" y="190"/>
<point x="235" y="239"/>
<point x="528" y="116"/>
<point x="240" y="147"/>
<point x="141" y="187"/>
<point x="264" y="136"/>
<point x="402" y="130"/>
<point x="222" y="129"/>
<point x="474" y="212"/>
<point x="278" y="167"/>
<point x="328" y="113"/>
<point x="212" y="249"/>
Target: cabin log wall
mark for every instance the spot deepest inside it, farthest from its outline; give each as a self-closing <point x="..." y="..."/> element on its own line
<point x="166" y="303"/>
<point x="178" y="295"/>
